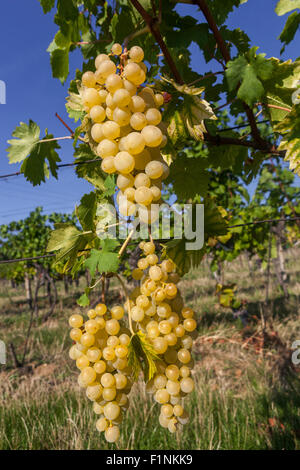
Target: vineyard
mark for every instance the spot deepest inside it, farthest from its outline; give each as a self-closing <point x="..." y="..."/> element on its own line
<point x="163" y="311"/>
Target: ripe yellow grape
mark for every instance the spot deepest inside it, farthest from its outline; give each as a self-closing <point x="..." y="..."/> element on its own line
<point x="94" y="354"/>
<point x="109" y="393"/>
<point x="116" y="49"/>
<point x="134" y="143"/>
<point x="167" y="265"/>
<point x="160" y="345"/>
<point x="187" y="385"/>
<point x="138" y="121"/>
<point x="187" y="342"/>
<point x="164" y="327"/>
<point x="152" y="259"/>
<point x="153" y="116"/>
<point x="100" y="367"/>
<point x="112" y="327"/>
<point x="155" y="273"/>
<point x="121" y="98"/>
<point x="154" y="169"/>
<point x="107" y="380"/>
<point x="152" y="136"/>
<point x="124" y="162"/>
<point x="109" y="101"/>
<point x="92" y="313"/>
<point x="173" y="387"/>
<point x="98" y="409"/>
<point x="112" y="434"/>
<point x="159" y="294"/>
<point x="125" y="181"/>
<point x="159" y="100"/>
<point x="190" y="324"/>
<point x="113" y="341"/>
<point x="184" y="356"/>
<point x="143" y="195"/>
<point x="108" y="353"/>
<point x="107" y="148"/>
<point x="88" y="79"/>
<point x="156" y="193"/>
<point x="121" y="116"/>
<point x="108" y="165"/>
<point x="172" y="425"/>
<point x="91" y="97"/>
<point x="94" y="391"/>
<point x="129" y="194"/>
<point x="91" y="326"/>
<point x="87" y="339"/>
<point x="162" y="396"/>
<point x="101" y="309"/>
<point x="111" y="411"/>
<point x="97" y="114"/>
<point x="103" y="95"/>
<point x="121" y="351"/>
<point x="100" y="58"/>
<point x="121" y="381"/>
<point x="106" y="68"/>
<point x="82" y="362"/>
<point x="137" y="104"/>
<point x="129" y="86"/>
<point x="137" y="314"/>
<point x="113" y="83"/>
<point x="76" y="321"/>
<point x="124" y="339"/>
<point x="171" y="339"/>
<point x="111" y="130"/>
<point x="136" y="53"/>
<point x="163" y="421"/>
<point x="142" y="179"/>
<point x="167" y="410"/>
<point x="75" y="334"/>
<point x="117" y="312"/>
<point x="87" y="376"/>
<point x="142" y="301"/>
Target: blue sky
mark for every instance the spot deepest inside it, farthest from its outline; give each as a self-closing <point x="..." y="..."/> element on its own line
<point x="33" y="94"/>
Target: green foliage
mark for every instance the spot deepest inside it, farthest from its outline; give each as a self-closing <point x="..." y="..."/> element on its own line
<point x="142" y="356"/>
<point x="247" y="72"/>
<point x="290" y="126"/>
<point x="104" y="260"/>
<point x="290" y="29"/>
<point x="285" y="6"/>
<point x="33" y="152"/>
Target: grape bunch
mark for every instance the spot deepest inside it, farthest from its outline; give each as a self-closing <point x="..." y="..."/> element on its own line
<point x="101" y="355"/>
<point x="157" y="308"/>
<point x="127" y="130"/>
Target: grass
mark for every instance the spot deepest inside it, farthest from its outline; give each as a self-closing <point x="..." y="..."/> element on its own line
<point x="245" y="397"/>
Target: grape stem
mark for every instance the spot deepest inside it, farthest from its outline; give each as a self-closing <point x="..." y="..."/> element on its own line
<point x="127" y="301"/>
<point x="123" y="247"/>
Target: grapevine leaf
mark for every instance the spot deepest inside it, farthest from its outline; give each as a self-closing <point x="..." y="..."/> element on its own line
<point x="86" y="211"/>
<point x="74" y="104"/>
<point x="47" y="5"/>
<point x="183" y="259"/>
<point x="290" y="126"/>
<point x="90" y="171"/>
<point x="68" y="241"/>
<point x="248" y="71"/>
<point x="141" y="356"/>
<point x="103" y="260"/>
<point x="34" y="166"/>
<point x="290" y="29"/>
<point x="214" y="223"/>
<point x="195" y="181"/>
<point x="285" y="6"/>
<point x="26" y="137"/>
<point x="83" y="300"/>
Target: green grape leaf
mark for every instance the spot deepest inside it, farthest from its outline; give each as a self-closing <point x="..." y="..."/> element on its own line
<point x="47" y="5"/>
<point x="86" y="211"/>
<point x="289" y="30"/>
<point x="141" y="356"/>
<point x="290" y="126"/>
<point x="285" y="6"/>
<point x="74" y="104"/>
<point x="103" y="260"/>
<point x="59" y="60"/>
<point x="68" y="241"/>
<point x="195" y="181"/>
<point x="90" y="171"/>
<point x="183" y="259"/>
<point x="26" y="137"/>
<point x="214" y="223"/>
<point x="247" y="71"/>
<point x="83" y="300"/>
